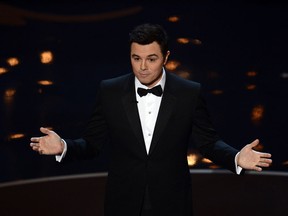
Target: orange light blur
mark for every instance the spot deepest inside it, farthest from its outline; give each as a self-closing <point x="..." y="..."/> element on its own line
<point x="10" y="93"/>
<point x="217" y="92"/>
<point x="206" y="160"/>
<point x="173" y="18"/>
<point x="183" y="40"/>
<point x="251" y="87"/>
<point x="172" y="65"/>
<point x="251" y="73"/>
<point x="214" y="166"/>
<point x="3" y="70"/>
<point x="46" y="57"/>
<point x="183" y="74"/>
<point x="16" y="136"/>
<point x="192" y="159"/>
<point x="45" y="82"/>
<point x="259" y="147"/>
<point x="50" y="128"/>
<point x="257" y="113"/>
<point x="12" y="61"/>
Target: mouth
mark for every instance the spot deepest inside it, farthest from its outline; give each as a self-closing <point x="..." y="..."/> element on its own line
<point x="143" y="75"/>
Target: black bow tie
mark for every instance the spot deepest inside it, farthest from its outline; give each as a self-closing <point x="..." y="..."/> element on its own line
<point x="157" y="90"/>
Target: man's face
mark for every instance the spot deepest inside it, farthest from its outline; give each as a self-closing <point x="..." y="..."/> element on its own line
<point x="147" y="62"/>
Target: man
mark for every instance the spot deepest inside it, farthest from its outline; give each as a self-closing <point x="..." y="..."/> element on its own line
<point x="149" y="134"/>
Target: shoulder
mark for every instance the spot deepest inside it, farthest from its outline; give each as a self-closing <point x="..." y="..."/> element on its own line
<point x="175" y="82"/>
<point x="117" y="80"/>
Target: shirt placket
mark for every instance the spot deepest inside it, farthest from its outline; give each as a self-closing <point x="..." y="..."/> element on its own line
<point x="149" y="119"/>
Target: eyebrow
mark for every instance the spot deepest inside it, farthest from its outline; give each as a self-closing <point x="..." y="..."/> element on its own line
<point x="151" y="55"/>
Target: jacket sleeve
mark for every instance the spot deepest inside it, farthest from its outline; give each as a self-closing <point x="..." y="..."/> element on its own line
<point x="94" y="136"/>
<point x="207" y="139"/>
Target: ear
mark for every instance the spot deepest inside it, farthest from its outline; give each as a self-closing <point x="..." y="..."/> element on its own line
<point x="166" y="57"/>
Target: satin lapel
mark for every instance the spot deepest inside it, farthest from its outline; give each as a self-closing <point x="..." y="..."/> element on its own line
<point x="130" y="106"/>
<point x="165" y="111"/>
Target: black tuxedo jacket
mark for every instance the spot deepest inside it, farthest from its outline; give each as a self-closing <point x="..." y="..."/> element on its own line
<point x="164" y="170"/>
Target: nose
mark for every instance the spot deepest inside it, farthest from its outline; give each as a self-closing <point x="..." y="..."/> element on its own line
<point x="143" y="66"/>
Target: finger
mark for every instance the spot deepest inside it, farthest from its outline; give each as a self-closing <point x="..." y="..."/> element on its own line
<point x="35" y="139"/>
<point x="254" y="143"/>
<point x="267" y="161"/>
<point x="45" y="130"/>
<point x="34" y="144"/>
<point x="262" y="164"/>
<point x="265" y="155"/>
<point x="35" y="147"/>
<point x="257" y="168"/>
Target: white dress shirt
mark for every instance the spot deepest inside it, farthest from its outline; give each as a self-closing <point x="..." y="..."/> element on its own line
<point x="148" y="108"/>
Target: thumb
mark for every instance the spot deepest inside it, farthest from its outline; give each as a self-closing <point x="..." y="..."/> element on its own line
<point x="254" y="143"/>
<point x="45" y="130"/>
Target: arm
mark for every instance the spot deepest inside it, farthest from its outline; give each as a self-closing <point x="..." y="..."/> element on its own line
<point x="222" y="153"/>
<point x="53" y="144"/>
<point x="93" y="139"/>
<point x="207" y="139"/>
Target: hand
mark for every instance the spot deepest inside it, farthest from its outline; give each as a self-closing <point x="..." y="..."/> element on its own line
<point x="50" y="144"/>
<point x="253" y="160"/>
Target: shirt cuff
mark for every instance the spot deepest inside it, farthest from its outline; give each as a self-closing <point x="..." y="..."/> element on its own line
<point x="237" y="168"/>
<point x="60" y="157"/>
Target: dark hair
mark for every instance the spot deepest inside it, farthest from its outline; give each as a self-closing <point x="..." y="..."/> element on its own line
<point x="148" y="33"/>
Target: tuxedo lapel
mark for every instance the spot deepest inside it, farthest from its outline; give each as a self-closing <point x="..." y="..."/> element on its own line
<point x="167" y="105"/>
<point x="130" y="106"/>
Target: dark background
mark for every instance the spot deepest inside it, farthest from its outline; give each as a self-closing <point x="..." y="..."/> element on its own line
<point x="237" y="38"/>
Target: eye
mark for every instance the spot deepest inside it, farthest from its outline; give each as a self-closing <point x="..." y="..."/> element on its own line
<point x="135" y="58"/>
<point x="152" y="59"/>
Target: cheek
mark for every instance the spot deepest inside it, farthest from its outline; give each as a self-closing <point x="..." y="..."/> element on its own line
<point x="157" y="69"/>
<point x="134" y="66"/>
